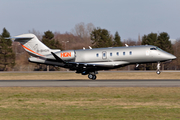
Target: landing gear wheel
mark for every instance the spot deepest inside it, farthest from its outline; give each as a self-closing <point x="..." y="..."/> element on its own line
<point x="90" y="76"/>
<point x="94" y="77"/>
<point x="158" y="72"/>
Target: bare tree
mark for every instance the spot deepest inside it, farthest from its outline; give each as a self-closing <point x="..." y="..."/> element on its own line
<point x="80" y="30"/>
<point x="37" y="33"/>
<point x="75" y="42"/>
<point x="176" y="48"/>
<point x="139" y="40"/>
<point x="89" y="28"/>
<point x="130" y="42"/>
<point x="83" y="31"/>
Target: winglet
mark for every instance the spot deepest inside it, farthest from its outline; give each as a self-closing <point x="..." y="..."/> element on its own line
<point x="58" y="58"/>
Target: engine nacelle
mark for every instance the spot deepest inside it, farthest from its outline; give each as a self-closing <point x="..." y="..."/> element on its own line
<point x="67" y="55"/>
<point x="64" y="55"/>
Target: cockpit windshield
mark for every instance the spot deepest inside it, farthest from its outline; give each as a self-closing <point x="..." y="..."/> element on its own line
<point x="153" y="48"/>
<point x="156" y="48"/>
<point x="159" y="49"/>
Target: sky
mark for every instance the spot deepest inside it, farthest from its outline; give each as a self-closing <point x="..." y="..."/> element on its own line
<point x="129" y="17"/>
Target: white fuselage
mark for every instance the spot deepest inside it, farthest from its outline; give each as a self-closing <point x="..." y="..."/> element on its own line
<point x="130" y="54"/>
<point x="115" y="55"/>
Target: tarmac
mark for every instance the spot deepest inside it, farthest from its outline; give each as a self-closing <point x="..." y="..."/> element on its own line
<point x="91" y="83"/>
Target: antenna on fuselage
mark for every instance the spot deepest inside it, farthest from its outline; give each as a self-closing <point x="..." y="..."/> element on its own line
<point x="126" y="45"/>
<point x="90" y="47"/>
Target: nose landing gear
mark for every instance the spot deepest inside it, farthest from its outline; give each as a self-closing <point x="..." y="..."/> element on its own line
<point x="158" y="68"/>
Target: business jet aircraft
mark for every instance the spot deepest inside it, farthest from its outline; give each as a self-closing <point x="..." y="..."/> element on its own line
<point x="89" y="61"/>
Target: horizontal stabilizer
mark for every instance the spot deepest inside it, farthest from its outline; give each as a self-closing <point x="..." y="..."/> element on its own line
<point x="18" y="39"/>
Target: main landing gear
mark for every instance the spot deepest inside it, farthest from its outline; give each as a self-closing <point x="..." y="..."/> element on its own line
<point x="92" y="75"/>
<point x="158" y="68"/>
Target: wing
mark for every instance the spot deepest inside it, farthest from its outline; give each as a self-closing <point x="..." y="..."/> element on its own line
<point x="102" y="64"/>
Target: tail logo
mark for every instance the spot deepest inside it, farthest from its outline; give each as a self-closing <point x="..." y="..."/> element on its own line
<point x="31" y="50"/>
<point x="36" y="48"/>
<point x="66" y="54"/>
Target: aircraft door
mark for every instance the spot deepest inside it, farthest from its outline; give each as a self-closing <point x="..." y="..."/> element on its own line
<point x="104" y="55"/>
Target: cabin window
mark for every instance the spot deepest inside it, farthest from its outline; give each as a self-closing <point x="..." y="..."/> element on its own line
<point x="152" y="48"/>
<point x="104" y="54"/>
<point x="110" y="54"/>
<point x="117" y="53"/>
<point x="97" y="55"/>
<point x="130" y="53"/>
<point x="123" y="53"/>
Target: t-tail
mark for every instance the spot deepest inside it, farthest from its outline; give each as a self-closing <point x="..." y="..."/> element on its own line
<point x="33" y="46"/>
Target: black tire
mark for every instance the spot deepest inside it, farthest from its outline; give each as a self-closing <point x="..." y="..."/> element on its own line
<point x="158" y="72"/>
<point x="90" y="76"/>
<point x="94" y="77"/>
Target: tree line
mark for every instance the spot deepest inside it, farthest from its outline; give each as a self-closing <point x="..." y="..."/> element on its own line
<point x="13" y="56"/>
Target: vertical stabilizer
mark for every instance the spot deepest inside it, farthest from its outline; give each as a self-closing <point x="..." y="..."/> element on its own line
<point x="32" y="45"/>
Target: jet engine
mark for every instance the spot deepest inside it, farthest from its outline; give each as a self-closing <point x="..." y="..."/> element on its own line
<point x="66" y="55"/>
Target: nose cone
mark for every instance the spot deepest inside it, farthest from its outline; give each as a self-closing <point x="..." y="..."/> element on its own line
<point x="170" y="57"/>
<point x="173" y="57"/>
<point x="165" y="56"/>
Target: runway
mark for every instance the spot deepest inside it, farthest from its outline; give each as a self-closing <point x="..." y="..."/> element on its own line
<point x="90" y="83"/>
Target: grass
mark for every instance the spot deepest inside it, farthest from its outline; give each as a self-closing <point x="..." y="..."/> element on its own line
<point x="89" y="103"/>
<point x="101" y="75"/>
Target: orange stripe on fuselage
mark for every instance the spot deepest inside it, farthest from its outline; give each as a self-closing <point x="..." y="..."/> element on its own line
<point x="31" y="50"/>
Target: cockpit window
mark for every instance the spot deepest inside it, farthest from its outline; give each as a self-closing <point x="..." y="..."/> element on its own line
<point x="152" y="48"/>
<point x="159" y="49"/>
